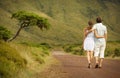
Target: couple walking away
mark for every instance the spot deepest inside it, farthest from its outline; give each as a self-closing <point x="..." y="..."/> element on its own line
<point x="95" y="37"/>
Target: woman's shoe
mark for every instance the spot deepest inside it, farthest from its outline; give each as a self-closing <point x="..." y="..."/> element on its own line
<point x="89" y="65"/>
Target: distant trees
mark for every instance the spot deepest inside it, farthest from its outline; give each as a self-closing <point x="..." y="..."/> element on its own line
<point x="5" y="34"/>
<point x="29" y="19"/>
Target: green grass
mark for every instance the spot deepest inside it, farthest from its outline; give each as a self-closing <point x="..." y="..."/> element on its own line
<point x="67" y="17"/>
<point x="10" y="61"/>
<point x="21" y="60"/>
<point x="37" y="57"/>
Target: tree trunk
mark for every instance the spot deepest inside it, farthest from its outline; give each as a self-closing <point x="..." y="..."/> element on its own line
<point x="15" y="34"/>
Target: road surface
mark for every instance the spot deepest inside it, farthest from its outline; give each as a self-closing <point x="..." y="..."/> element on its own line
<point x="73" y="66"/>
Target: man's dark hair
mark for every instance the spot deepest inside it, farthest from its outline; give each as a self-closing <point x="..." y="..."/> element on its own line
<point x="98" y="19"/>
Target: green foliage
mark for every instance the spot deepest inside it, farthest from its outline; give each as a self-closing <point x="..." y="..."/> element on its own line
<point x="10" y="61"/>
<point x="4" y="33"/>
<point x="31" y="19"/>
<point x="46" y="45"/>
<point x="111" y="50"/>
<point x="108" y="51"/>
<point x="74" y="49"/>
<point x="116" y="52"/>
<point x="7" y="68"/>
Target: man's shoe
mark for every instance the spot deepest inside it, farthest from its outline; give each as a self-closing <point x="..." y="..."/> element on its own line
<point x="96" y="66"/>
<point x="100" y="67"/>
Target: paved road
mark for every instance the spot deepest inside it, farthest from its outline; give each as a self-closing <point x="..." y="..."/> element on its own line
<point x="73" y="66"/>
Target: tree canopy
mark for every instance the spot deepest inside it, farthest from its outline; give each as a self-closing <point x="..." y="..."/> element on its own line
<point x="27" y="19"/>
<point x="31" y="19"/>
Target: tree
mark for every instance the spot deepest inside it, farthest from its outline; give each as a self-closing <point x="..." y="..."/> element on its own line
<point x="4" y="33"/>
<point x="29" y="19"/>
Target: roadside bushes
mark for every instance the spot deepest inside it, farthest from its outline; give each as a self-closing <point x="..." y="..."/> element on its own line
<point x="10" y="61"/>
<point x="112" y="52"/>
<point x="116" y="52"/>
<point x="74" y="49"/>
<point x="112" y="49"/>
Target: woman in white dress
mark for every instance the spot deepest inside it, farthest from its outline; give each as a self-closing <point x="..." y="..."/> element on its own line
<point x="88" y="43"/>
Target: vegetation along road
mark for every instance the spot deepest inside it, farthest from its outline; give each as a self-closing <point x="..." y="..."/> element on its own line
<point x="73" y="66"/>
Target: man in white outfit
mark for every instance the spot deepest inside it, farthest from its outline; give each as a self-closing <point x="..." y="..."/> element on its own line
<point x="100" y="43"/>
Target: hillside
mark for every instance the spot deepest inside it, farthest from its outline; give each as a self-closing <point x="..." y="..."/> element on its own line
<point x="67" y="17"/>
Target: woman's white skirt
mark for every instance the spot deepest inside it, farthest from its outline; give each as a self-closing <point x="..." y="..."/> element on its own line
<point x="89" y="44"/>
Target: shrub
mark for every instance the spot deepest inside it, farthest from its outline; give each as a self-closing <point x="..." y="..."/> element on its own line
<point x="75" y="49"/>
<point x="4" y="33"/>
<point x="111" y="50"/>
<point x="116" y="52"/>
<point x="46" y="45"/>
<point x="68" y="48"/>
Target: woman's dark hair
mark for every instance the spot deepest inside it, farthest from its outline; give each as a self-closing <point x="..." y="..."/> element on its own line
<point x="98" y="19"/>
<point x="90" y="23"/>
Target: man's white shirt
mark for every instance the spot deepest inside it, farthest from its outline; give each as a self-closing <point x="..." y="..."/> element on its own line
<point x="101" y="31"/>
